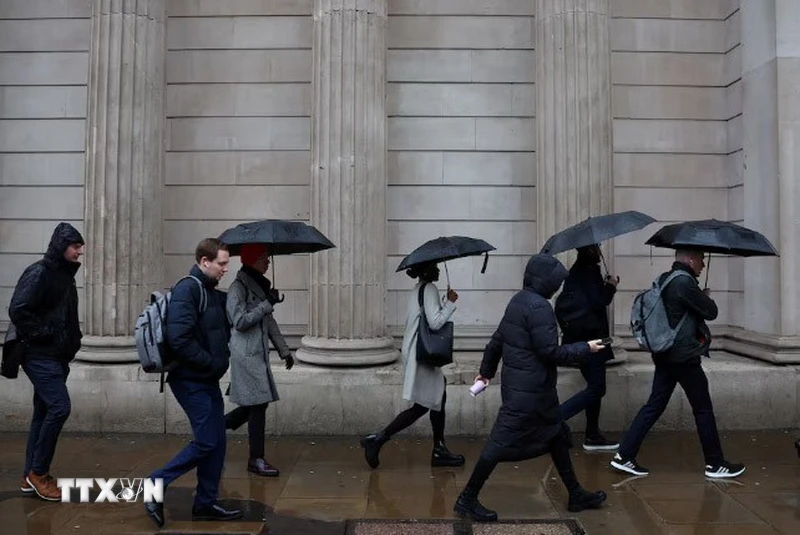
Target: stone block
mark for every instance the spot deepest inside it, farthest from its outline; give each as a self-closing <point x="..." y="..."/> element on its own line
<point x="227" y="168"/>
<point x="734" y="100"/>
<point x="789" y="89"/>
<point x="32" y="169"/>
<point x="42" y="102"/>
<point x="674" y="204"/>
<point x="735" y="139"/>
<point x="671" y="170"/>
<point x="787" y="28"/>
<point x="673" y="136"/>
<point x="32" y="236"/>
<point x="678" y="9"/>
<point x="462" y="168"/>
<point x="733" y="30"/>
<point x="31" y="9"/>
<point x="460" y="32"/>
<point x="239" y="32"/>
<point x="509" y="237"/>
<point x="225" y="66"/>
<point x="758" y="34"/>
<point x="45" y="135"/>
<point x="460" y="203"/>
<point x="455" y="100"/>
<point x="505" y="134"/>
<point x="733" y="66"/>
<point x="428" y="66"/>
<point x="251" y="202"/>
<point x="55" y="202"/>
<point x="240" y="133"/>
<point x="512" y="66"/>
<point x="238" y="100"/>
<point x="43" y="68"/>
<point x="45" y="35"/>
<point x="735" y="165"/>
<point x="12" y="265"/>
<point x="662" y="35"/>
<point x="647" y="68"/>
<point x="638" y="273"/>
<point x="665" y="102"/>
<point x="461" y="7"/>
<point x="406" y="133"/>
<point x="206" y="8"/>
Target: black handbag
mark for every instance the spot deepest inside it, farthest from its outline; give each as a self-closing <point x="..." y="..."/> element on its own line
<point x="13" y="350"/>
<point x="434" y="348"/>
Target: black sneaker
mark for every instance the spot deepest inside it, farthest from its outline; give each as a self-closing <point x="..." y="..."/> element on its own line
<point x="724" y="470"/>
<point x="599" y="443"/>
<point x="215" y="512"/>
<point x="629" y="466"/>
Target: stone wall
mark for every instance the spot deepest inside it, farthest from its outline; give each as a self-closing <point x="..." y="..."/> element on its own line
<point x="44" y="64"/>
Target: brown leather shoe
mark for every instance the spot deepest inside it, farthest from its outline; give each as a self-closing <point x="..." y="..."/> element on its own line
<point x="262" y="468"/>
<point x="45" y="487"/>
<point x="24" y="486"/>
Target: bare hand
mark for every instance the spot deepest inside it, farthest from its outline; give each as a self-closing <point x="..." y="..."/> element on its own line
<point x="613" y="281"/>
<point x="452" y="296"/>
<point x="481" y="378"/>
<point x="595" y="345"/>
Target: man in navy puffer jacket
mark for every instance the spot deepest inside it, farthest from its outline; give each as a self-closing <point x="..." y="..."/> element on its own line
<point x="198" y="340"/>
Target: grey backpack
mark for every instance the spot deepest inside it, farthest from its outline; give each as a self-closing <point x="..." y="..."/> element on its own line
<point x="649" y="322"/>
<point x="150" y="332"/>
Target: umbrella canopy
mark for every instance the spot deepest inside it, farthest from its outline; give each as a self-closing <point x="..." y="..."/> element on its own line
<point x="713" y="236"/>
<point x="282" y="237"/>
<point x="446" y="248"/>
<point x="595" y="230"/>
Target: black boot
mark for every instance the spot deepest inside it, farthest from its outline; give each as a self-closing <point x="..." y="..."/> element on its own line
<point x="468" y="505"/>
<point x="441" y="456"/>
<point x="156" y="512"/>
<point x="372" y="447"/>
<point x="583" y="499"/>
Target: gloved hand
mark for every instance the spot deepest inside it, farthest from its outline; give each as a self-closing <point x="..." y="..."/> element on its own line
<point x="289" y="361"/>
<point x="273" y="297"/>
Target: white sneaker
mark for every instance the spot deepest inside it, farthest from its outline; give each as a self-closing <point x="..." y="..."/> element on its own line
<point x="724" y="470"/>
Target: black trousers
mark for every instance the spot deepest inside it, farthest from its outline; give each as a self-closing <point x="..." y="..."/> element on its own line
<point x="256" y="418"/>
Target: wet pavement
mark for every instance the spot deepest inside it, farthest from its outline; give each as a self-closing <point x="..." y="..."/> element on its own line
<point x="325" y="481"/>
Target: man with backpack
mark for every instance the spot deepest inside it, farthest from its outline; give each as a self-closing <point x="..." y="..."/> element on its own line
<point x="44" y="310"/>
<point x="677" y="343"/>
<point x="197" y="334"/>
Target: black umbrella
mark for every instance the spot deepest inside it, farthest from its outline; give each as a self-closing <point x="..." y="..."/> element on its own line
<point x="713" y="236"/>
<point x="446" y="248"/>
<point x="595" y="230"/>
<point x="281" y="236"/>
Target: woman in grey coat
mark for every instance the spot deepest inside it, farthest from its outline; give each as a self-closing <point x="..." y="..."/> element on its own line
<point x="423" y="385"/>
<point x="249" y="307"/>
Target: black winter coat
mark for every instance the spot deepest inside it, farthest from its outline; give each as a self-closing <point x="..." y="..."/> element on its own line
<point x="684" y="296"/>
<point x="44" y="307"/>
<point x="587" y="297"/>
<point x="198" y="342"/>
<point x="527" y="342"/>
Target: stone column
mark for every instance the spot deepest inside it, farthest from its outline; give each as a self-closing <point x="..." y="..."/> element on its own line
<point x="347" y="323"/>
<point x="573" y="114"/>
<point x="124" y="168"/>
<point x="771" y="171"/>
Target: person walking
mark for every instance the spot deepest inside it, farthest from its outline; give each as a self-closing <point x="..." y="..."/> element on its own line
<point x="424" y="385"/>
<point x="529" y="422"/>
<point x="688" y="308"/>
<point x="249" y="306"/>
<point x="44" y="310"/>
<point x="582" y="313"/>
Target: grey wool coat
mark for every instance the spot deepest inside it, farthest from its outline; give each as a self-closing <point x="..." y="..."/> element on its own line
<point x="254" y="327"/>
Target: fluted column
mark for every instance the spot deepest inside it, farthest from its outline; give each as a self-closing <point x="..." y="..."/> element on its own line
<point x="347" y="324"/>
<point x="124" y="168"/>
<point x="573" y="114"/>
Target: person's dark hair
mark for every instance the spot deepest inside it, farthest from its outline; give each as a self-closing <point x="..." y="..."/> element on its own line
<point x="209" y="248"/>
<point x="421" y="271"/>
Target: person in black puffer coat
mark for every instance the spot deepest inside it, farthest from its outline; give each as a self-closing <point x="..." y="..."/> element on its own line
<point x="529" y="422"/>
<point x="582" y="313"/>
<point x="44" y="309"/>
<point x="198" y="340"/>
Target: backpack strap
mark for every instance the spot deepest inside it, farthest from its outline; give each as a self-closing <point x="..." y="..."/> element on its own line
<point x="203" y="293"/>
<point x="421" y="294"/>
<point x="672" y="276"/>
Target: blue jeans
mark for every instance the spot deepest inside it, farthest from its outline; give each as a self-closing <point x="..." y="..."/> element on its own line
<point x="204" y="407"/>
<point x="692" y="378"/>
<point x="51" y="408"/>
<point x="590" y="398"/>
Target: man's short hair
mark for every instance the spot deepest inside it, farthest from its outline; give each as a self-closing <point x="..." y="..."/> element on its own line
<point x="209" y="248"/>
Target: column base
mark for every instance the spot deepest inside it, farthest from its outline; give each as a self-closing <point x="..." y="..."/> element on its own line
<point x="338" y="352"/>
<point x="108" y="349"/>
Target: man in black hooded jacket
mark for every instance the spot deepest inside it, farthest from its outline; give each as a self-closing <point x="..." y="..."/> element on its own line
<point x="44" y="309"/>
<point x="529" y="422"/>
